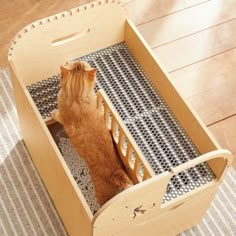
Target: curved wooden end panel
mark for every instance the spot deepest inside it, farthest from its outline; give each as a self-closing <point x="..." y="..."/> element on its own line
<point x="68" y="35"/>
<point x="133" y="206"/>
<point x="143" y="201"/>
<point x="218" y="160"/>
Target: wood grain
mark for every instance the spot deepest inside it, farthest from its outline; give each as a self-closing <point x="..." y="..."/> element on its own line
<point x="209" y="86"/>
<point x="204" y="75"/>
<point x="33" y="46"/>
<point x="234" y="162"/>
<point x="48" y="160"/>
<point x="187" y="118"/>
<point x="216" y="103"/>
<point x="3" y="55"/>
<point x="26" y="11"/>
<point x="197" y="51"/>
<point x="141" y="11"/>
<point x="199" y="46"/>
<point x="225" y="133"/>
<point x="188" y="21"/>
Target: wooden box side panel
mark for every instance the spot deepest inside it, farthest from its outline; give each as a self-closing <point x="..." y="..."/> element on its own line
<point x="194" y="127"/>
<point x="143" y="202"/>
<point x="40" y="48"/>
<point x="132" y="206"/>
<point x="176" y="220"/>
<point x="68" y="200"/>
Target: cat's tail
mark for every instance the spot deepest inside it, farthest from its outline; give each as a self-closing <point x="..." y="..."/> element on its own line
<point x="121" y="180"/>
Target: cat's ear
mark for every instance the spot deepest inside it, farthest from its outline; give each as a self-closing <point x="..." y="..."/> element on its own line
<point x="64" y="73"/>
<point x="64" y="69"/>
<point x="92" y="72"/>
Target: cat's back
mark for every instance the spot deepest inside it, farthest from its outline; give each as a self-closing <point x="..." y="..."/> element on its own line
<point x="91" y="137"/>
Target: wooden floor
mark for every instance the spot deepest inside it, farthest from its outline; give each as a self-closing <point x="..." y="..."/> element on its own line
<point x="195" y="40"/>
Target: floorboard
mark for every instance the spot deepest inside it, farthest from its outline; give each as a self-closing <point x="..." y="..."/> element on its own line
<point x="197" y="47"/>
<point x="142" y="11"/>
<point x="225" y="134"/>
<point x="27" y="11"/>
<point x="210" y="86"/>
<point x="3" y="55"/>
<point x="188" y="21"/>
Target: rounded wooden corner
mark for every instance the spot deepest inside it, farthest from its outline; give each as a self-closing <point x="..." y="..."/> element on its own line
<point x="57" y="39"/>
<point x="130" y="205"/>
<point x="218" y="160"/>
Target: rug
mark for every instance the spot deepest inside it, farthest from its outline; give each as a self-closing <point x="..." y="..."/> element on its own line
<point x="26" y="208"/>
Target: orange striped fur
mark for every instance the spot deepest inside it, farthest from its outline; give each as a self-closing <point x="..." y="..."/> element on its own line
<point x="85" y="126"/>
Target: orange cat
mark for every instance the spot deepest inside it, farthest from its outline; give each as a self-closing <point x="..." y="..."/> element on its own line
<point x="84" y="124"/>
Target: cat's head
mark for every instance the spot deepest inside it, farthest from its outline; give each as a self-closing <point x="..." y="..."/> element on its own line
<point x="78" y="80"/>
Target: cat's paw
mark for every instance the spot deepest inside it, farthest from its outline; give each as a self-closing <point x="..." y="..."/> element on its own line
<point x="55" y="115"/>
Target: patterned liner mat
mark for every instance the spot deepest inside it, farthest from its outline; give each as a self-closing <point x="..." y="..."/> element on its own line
<point x="153" y="126"/>
<point x="77" y="165"/>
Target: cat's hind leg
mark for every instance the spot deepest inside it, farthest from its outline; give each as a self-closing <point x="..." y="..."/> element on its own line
<point x="120" y="179"/>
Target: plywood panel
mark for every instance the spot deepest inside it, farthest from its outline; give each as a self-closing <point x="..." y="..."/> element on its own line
<point x="179" y="220"/>
<point x="188" y="21"/>
<point x="48" y="160"/>
<point x="197" y="47"/>
<point x="141" y="11"/>
<point x="66" y="36"/>
<point x="27" y="11"/>
<point x="185" y="115"/>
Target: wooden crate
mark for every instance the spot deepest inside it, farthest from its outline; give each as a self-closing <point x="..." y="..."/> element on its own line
<point x="35" y="54"/>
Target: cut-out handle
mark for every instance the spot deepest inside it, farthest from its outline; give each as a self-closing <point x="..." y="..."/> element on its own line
<point x="70" y="37"/>
<point x="223" y="154"/>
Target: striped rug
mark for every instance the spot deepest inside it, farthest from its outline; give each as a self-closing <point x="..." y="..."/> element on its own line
<point x="26" y="208"/>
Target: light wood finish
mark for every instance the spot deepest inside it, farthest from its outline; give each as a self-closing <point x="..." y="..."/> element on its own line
<point x="226" y="133"/>
<point x="115" y="123"/>
<point x="155" y="72"/>
<point x="189" y="120"/>
<point x="147" y="10"/>
<point x="188" y="21"/>
<point x="50" y="164"/>
<point x="119" y="213"/>
<point x="234" y="160"/>
<point x="142" y="202"/>
<point x="211" y="73"/>
<point x="3" y="55"/>
<point x="220" y="110"/>
<point x="219" y="168"/>
<point x="16" y="14"/>
<point x="209" y="86"/>
<point x="27" y="11"/>
<point x="39" y="38"/>
<point x="147" y="197"/>
<point x="203" y="44"/>
<point x="162" y="225"/>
